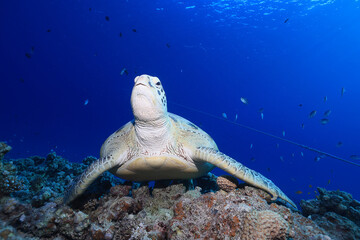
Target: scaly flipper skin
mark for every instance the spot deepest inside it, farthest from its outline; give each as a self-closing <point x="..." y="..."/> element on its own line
<point x="79" y="185"/>
<point x="238" y="170"/>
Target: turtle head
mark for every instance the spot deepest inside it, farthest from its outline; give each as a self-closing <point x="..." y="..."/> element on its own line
<point x="148" y="99"/>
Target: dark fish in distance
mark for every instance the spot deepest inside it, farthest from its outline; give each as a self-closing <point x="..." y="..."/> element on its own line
<point x="324" y="121"/>
<point x="28" y="55"/>
<point x="134" y="30"/>
<point x="342" y="91"/>
<point x="168" y="45"/>
<point x="300" y="105"/>
<point x="286" y="20"/>
<point x="124" y="70"/>
<point x="312" y="114"/>
<point x="302" y="125"/>
<point x="107" y="18"/>
<point x="339" y="144"/>
<point x="327" y="113"/>
<point x="355" y="157"/>
<point x="299" y="192"/>
<point x="49" y="30"/>
<point x="120" y="34"/>
<point x="90" y="9"/>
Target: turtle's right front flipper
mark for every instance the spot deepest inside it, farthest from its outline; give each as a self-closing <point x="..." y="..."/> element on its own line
<point x="80" y="184"/>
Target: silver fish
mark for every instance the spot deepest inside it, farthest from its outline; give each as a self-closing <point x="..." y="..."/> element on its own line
<point x="324" y="121"/>
<point x="325" y="98"/>
<point x="244" y="100"/>
<point x="86" y="102"/>
<point x="224" y="115"/>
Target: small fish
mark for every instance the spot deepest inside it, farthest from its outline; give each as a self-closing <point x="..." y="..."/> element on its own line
<point x="300" y="105"/>
<point x="312" y="114"/>
<point x="277" y="145"/>
<point x="281" y="158"/>
<point x="120" y="34"/>
<point x="283" y="133"/>
<point x="124" y="70"/>
<point x="251" y="146"/>
<point x="293" y="154"/>
<point x="310" y="186"/>
<point x="261" y="110"/>
<point x="49" y="30"/>
<point x="355" y="157"/>
<point x="86" y="102"/>
<point x="28" y="55"/>
<point x="252" y="159"/>
<point x="325" y="98"/>
<point x="107" y="18"/>
<point x="329" y="181"/>
<point x="90" y="9"/>
<point x="224" y="115"/>
<point x="244" y="100"/>
<point x="190" y="7"/>
<point x="302" y="154"/>
<point x="343" y="91"/>
<point x="339" y="144"/>
<point x="236" y="117"/>
<point x="134" y="30"/>
<point x="327" y="113"/>
<point x="318" y="158"/>
<point x="268" y="169"/>
<point x="299" y="192"/>
<point x="168" y="45"/>
<point x="286" y="20"/>
<point x="262" y="116"/>
<point x="324" y="121"/>
<point x="302" y="125"/>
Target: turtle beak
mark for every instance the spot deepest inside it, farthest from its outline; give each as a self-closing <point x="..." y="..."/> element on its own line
<point x="143" y="80"/>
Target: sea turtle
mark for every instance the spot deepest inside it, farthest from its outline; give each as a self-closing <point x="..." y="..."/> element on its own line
<point x="161" y="145"/>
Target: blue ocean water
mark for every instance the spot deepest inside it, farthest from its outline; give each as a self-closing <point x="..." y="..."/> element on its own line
<point x="62" y="87"/>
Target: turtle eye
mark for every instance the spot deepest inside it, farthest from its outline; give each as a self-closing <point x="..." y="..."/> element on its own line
<point x="158" y="83"/>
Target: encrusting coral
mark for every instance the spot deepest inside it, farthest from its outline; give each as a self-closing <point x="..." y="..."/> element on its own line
<point x="189" y="209"/>
<point x="9" y="182"/>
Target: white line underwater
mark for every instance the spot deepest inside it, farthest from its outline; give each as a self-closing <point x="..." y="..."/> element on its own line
<point x="268" y="134"/>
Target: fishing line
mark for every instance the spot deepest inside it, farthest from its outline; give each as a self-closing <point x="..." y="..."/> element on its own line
<point x="268" y="134"/>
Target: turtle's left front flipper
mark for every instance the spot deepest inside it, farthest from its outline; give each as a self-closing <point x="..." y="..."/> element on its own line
<point x="238" y="170"/>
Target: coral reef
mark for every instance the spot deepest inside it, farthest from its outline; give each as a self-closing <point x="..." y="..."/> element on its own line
<point x="4" y="149"/>
<point x="181" y="209"/>
<point x="336" y="212"/>
<point x="9" y="182"/>
<point x="227" y="183"/>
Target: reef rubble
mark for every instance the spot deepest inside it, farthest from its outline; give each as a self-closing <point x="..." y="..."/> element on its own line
<point x="209" y="207"/>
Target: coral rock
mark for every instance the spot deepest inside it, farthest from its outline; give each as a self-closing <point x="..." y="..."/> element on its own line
<point x="227" y="183"/>
<point x="4" y="149"/>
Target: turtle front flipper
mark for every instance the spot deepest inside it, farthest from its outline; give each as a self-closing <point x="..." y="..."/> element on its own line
<point x="238" y="170"/>
<point x="81" y="183"/>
